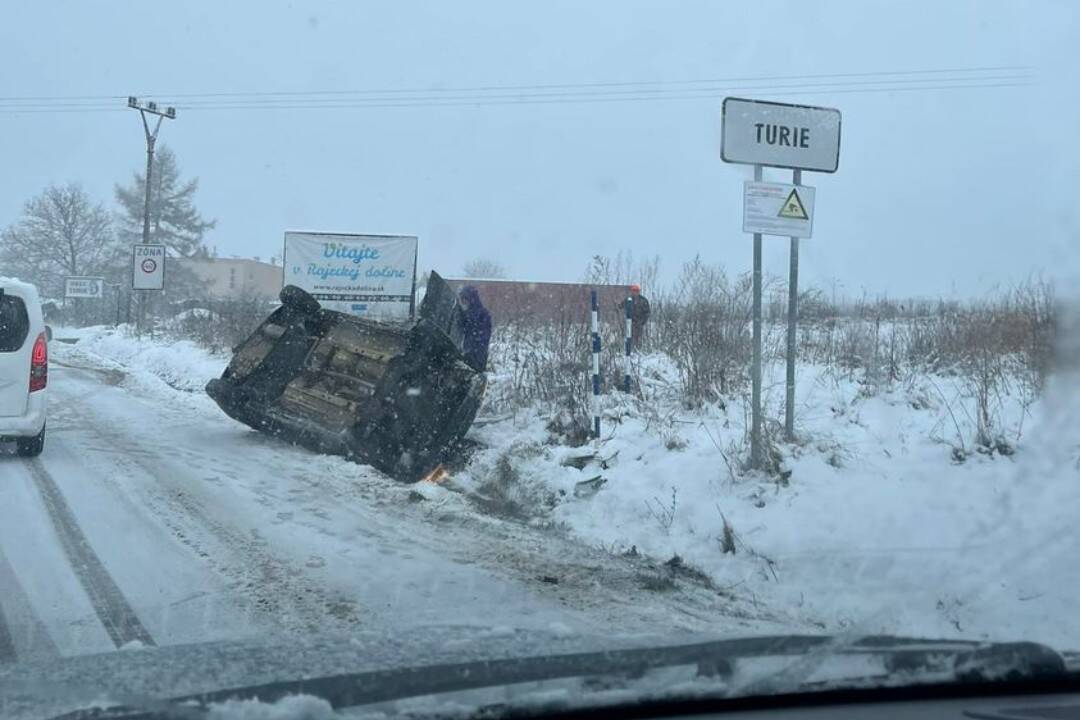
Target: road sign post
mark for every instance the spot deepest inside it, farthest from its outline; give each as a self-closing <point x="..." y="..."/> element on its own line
<point x="147" y="273"/>
<point x="755" y="371"/>
<point x="797" y="137"/>
<point x="792" y="325"/>
<point x="79" y="288"/>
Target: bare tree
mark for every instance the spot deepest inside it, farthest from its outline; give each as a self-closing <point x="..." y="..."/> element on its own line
<point x="62" y="232"/>
<point x="705" y="327"/>
<point x="484" y="268"/>
<point x="648" y="275"/>
<point x="623" y="270"/>
<point x="174" y="221"/>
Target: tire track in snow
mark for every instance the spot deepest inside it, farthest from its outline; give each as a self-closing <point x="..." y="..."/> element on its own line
<point x="265" y="584"/>
<point x="7" y="645"/>
<point x="35" y="641"/>
<point x="112" y="609"/>
<point x="589" y="580"/>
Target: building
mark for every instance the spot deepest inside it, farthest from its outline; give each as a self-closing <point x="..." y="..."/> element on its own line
<point x="524" y="301"/>
<point x="235" y="278"/>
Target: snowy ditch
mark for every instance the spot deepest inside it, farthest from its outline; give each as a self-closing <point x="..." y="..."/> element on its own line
<point x="871" y="520"/>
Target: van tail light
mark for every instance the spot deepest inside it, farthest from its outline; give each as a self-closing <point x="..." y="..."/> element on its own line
<point x="39" y="364"/>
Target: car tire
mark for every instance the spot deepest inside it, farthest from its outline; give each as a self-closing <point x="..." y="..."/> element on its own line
<point x="299" y="300"/>
<point x="31" y="446"/>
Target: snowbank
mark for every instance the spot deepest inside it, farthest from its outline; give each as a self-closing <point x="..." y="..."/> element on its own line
<point x="874" y="521"/>
<point x="181" y="364"/>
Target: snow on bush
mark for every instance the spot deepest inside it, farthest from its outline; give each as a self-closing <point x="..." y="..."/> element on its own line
<point x="182" y="364"/>
<point x="870" y="503"/>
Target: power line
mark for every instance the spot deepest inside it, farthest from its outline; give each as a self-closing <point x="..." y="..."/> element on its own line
<point x="591" y="85"/>
<point x="589" y="100"/>
<point x="60" y="111"/>
<point x="29" y="98"/>
<point x="636" y="93"/>
<point x="544" y="99"/>
<point x="970" y="73"/>
<point x="631" y="94"/>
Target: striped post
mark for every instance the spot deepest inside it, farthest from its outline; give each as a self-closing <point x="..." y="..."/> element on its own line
<point x="595" y="364"/>
<point x="629" y="338"/>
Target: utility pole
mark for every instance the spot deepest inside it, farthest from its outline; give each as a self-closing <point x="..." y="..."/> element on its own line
<point x="151" y="108"/>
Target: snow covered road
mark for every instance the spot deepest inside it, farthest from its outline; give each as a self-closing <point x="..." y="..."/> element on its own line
<point x="153" y="519"/>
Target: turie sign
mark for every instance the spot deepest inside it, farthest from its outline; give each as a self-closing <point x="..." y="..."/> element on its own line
<point x="778" y="209"/>
<point x="800" y="137"/>
<point x="84" y="287"/>
<point x="148" y="267"/>
<point x="779" y="135"/>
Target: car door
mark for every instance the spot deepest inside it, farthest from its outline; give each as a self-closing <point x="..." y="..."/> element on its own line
<point x="15" y="348"/>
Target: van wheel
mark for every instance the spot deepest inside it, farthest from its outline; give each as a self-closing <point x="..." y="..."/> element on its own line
<point x="31" y="447"/>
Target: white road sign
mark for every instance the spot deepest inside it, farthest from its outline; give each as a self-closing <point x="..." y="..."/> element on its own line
<point x="800" y="137"/>
<point x="778" y="209"/>
<point x="84" y="287"/>
<point x="368" y="275"/>
<point x="148" y="267"/>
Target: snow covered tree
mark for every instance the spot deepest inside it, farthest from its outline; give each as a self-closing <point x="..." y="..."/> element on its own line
<point x="61" y="232"/>
<point x="485" y="268"/>
<point x="174" y="221"/>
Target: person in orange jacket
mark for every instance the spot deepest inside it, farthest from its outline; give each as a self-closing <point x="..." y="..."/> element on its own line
<point x="639" y="315"/>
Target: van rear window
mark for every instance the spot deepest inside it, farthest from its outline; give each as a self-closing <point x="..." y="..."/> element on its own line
<point x="14" y="323"/>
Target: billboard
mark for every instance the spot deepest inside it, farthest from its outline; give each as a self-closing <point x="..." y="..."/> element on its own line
<point x="373" y="276"/>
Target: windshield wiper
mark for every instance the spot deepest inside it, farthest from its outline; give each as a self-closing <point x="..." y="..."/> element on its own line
<point x="966" y="661"/>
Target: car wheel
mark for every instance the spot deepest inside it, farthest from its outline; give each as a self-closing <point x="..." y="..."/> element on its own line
<point x="32" y="446"/>
<point x="299" y="300"/>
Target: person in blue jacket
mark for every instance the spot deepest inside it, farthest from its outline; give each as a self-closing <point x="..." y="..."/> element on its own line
<point x="477" y="326"/>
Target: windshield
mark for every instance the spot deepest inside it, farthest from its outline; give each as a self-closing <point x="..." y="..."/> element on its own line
<point x="387" y="336"/>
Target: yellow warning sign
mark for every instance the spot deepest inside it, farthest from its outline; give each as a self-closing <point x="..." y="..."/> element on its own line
<point x="793" y="207"/>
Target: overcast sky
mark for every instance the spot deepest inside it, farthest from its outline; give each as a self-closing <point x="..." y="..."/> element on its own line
<point x="938" y="191"/>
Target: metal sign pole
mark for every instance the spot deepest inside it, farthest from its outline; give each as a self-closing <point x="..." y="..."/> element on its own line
<point x="755" y="372"/>
<point x="792" y="326"/>
<point x="141" y="324"/>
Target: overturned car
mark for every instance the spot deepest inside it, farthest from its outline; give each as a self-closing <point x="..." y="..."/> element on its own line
<point x="399" y="397"/>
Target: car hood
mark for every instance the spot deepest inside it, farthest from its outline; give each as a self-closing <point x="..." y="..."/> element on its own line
<point x="47" y="688"/>
<point x="378" y="667"/>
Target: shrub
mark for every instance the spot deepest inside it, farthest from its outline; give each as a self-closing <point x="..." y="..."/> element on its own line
<point x="705" y="327"/>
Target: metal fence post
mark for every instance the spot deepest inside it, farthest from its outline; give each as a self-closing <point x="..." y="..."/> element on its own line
<point x="595" y="363"/>
<point x="629" y="333"/>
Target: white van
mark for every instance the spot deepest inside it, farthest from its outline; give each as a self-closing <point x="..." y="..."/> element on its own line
<point x="24" y="367"/>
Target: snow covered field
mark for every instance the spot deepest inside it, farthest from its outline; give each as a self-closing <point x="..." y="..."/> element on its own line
<point x="203" y="529"/>
<point x="877" y="528"/>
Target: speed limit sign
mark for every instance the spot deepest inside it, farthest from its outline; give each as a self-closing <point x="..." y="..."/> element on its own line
<point x="148" y="267"/>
